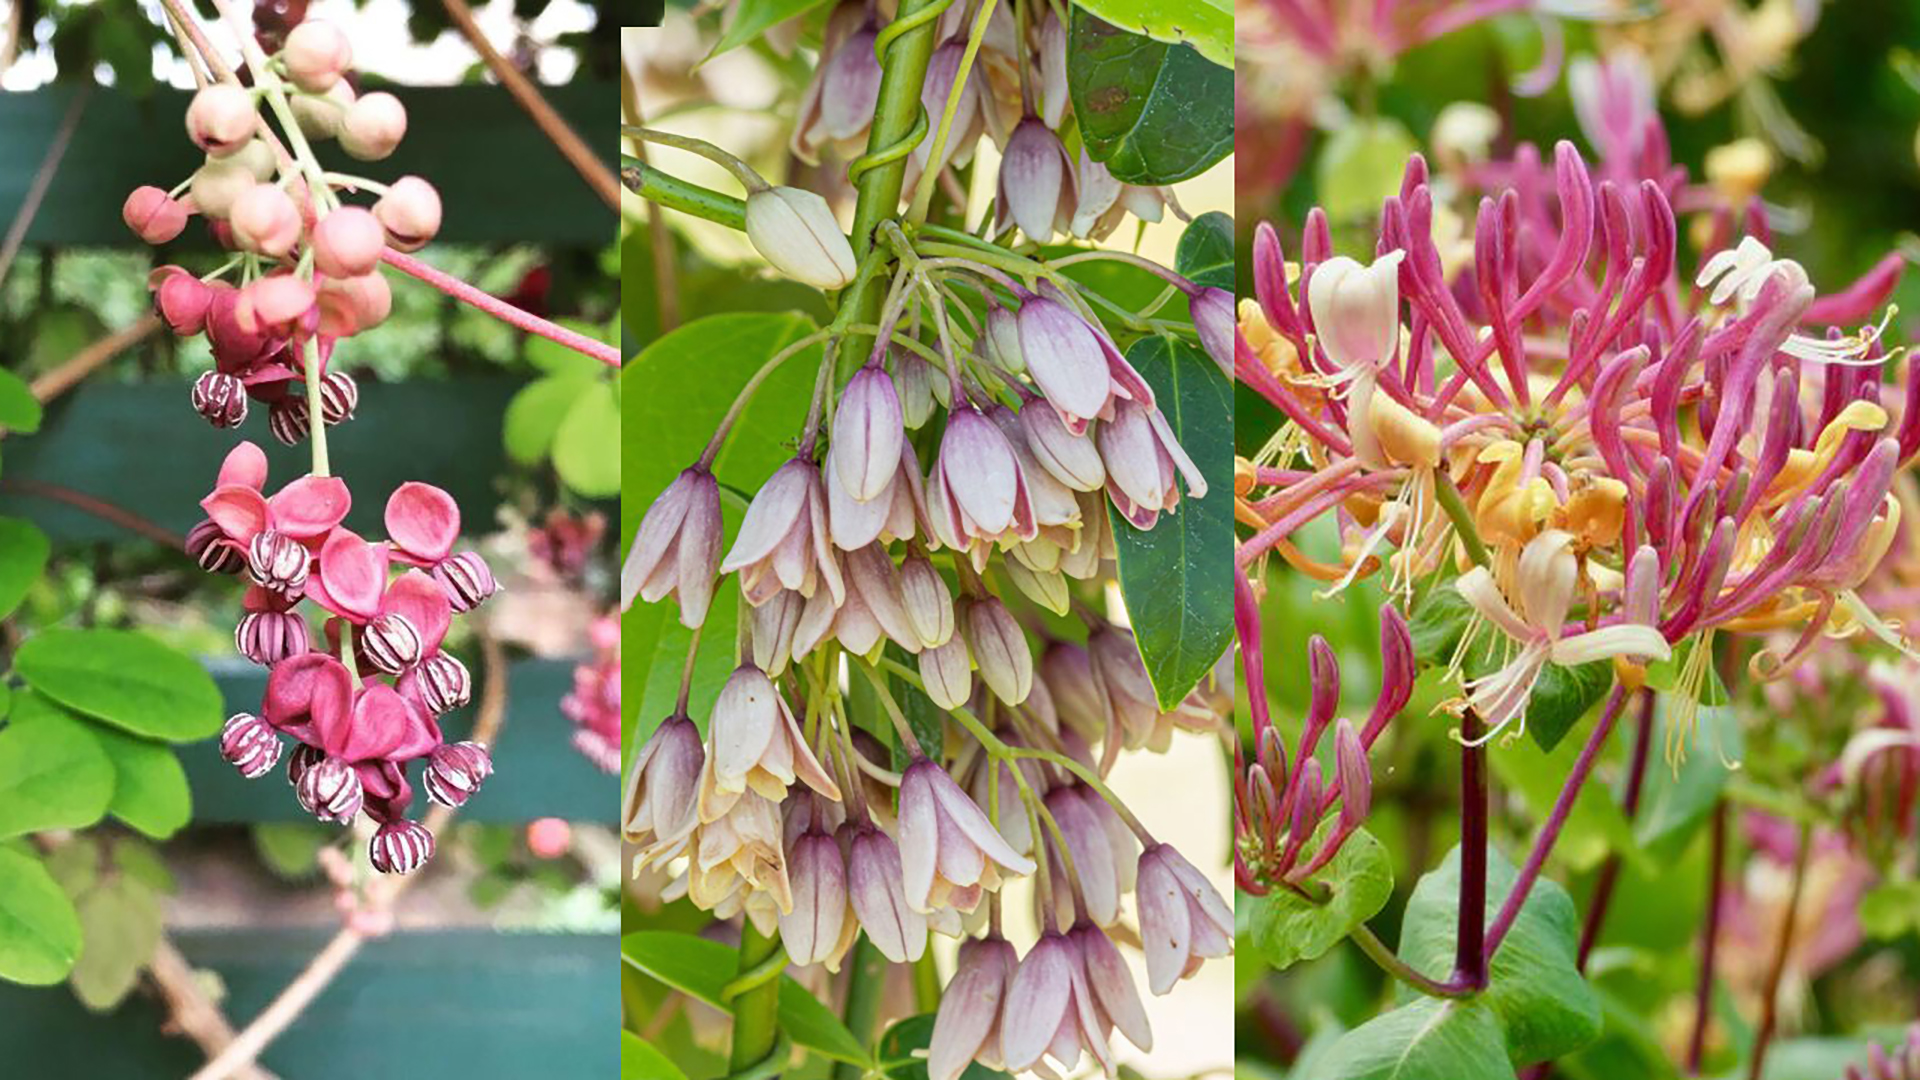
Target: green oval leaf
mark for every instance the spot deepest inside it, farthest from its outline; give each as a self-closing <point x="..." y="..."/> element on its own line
<point x="1287" y="928"/>
<point x="700" y="968"/>
<point x="586" y="449"/>
<point x="123" y="677"/>
<point x="534" y="415"/>
<point x="1204" y="255"/>
<point x="1173" y="575"/>
<point x="640" y="1061"/>
<point x="1154" y="113"/>
<point x="150" y="789"/>
<point x="19" y="409"/>
<point x="23" y="558"/>
<point x="120" y="920"/>
<point x="1207" y="25"/>
<point x="53" y="774"/>
<point x="39" y="931"/>
<point x="1534" y="983"/>
<point x="1429" y="1039"/>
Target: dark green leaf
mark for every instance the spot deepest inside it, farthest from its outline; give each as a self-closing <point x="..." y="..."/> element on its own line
<point x="1439" y="618"/>
<point x="701" y="969"/>
<point x="1681" y="790"/>
<point x="1288" y="928"/>
<point x="53" y="774"/>
<point x="23" y="557"/>
<point x="125" y="678"/>
<point x="150" y="788"/>
<point x="1428" y="1039"/>
<point x="751" y="18"/>
<point x="1206" y="24"/>
<point x="39" y="930"/>
<point x="1153" y="113"/>
<point x="1562" y="696"/>
<point x="1205" y="253"/>
<point x="1175" y="575"/>
<point x="1534" y="986"/>
<point x="19" y="409"/>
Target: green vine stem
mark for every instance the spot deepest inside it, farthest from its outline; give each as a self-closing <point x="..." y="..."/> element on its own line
<point x="663" y="189"/>
<point x="866" y="985"/>
<point x="756" y="1020"/>
<point x="923" y="190"/>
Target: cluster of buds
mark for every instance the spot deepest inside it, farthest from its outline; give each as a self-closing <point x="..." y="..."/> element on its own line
<point x="1555" y="443"/>
<point x="305" y="271"/>
<point x="846" y="856"/>
<point x="367" y="704"/>
<point x="594" y="703"/>
<point x="1043" y="189"/>
<point x="1278" y="809"/>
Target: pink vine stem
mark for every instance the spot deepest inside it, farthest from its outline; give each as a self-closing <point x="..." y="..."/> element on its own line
<point x="500" y="309"/>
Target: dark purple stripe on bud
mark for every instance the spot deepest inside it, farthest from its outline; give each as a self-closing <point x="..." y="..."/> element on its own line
<point x="466" y="580"/>
<point x="339" y="396"/>
<point x="444" y="682"/>
<point x="455" y="772"/>
<point x="330" y="790"/>
<point x="249" y="744"/>
<point x="268" y="637"/>
<point x="289" y="420"/>
<point x="400" y="847"/>
<point x="390" y="643"/>
<point x="278" y="563"/>
<point x="208" y="545"/>
<point x="220" y="398"/>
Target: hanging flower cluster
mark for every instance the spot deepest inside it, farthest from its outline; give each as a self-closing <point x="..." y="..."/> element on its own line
<point x="594" y="703"/>
<point x="305" y="267"/>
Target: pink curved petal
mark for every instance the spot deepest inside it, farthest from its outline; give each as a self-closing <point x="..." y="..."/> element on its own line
<point x="382" y="727"/>
<point x="308" y="696"/>
<point x="352" y="577"/>
<point x="246" y="465"/>
<point x="310" y="506"/>
<point x="239" y="510"/>
<point x="423" y="602"/>
<point x="422" y="521"/>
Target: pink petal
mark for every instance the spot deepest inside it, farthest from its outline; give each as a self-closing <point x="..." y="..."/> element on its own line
<point x="417" y="596"/>
<point x="381" y="723"/>
<point x="770" y="517"/>
<point x="1165" y="926"/>
<point x="353" y="577"/>
<point x="423" y="521"/>
<point x="310" y="506"/>
<point x="977" y="827"/>
<point x="240" y="511"/>
<point x="919" y="833"/>
<point x="1036" y="1003"/>
<point x="302" y="689"/>
<point x="246" y="465"/>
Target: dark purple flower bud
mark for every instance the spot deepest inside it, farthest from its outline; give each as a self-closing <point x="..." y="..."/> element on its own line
<point x="330" y="790"/>
<point x="208" y="545"/>
<point x="1356" y="778"/>
<point x="455" y="771"/>
<point x="304" y="757"/>
<point x="466" y="580"/>
<point x="278" y="563"/>
<point x="400" y="847"/>
<point x="268" y="637"/>
<point x="250" y="745"/>
<point x="339" y="396"/>
<point x="221" y="398"/>
<point x="390" y="643"/>
<point x="444" y="683"/>
<point x="1306" y="804"/>
<point x="289" y="419"/>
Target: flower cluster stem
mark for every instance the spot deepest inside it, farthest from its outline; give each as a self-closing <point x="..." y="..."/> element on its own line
<point x="663" y="189"/>
<point x="500" y="309"/>
<point x="1470" y="959"/>
<point x="1709" y="942"/>
<point x="1782" y="949"/>
<point x="755" y="1013"/>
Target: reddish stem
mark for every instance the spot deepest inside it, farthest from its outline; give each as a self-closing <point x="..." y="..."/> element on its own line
<point x="500" y="309"/>
<point x="1710" y="939"/>
<point x="1470" y="957"/>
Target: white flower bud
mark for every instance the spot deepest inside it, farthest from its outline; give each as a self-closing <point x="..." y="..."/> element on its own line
<point x="796" y="232"/>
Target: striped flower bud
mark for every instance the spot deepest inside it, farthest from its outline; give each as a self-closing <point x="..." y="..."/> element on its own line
<point x="928" y="602"/>
<point x="153" y="215"/>
<point x="303" y="758"/>
<point x="339" y="396"/>
<point x="677" y="550"/>
<point x="950" y="849"/>
<point x="967" y="1026"/>
<point x="466" y="580"/>
<point x="400" y="847"/>
<point x="867" y="432"/>
<point x="221" y="118"/>
<point x="820" y="928"/>
<point x="455" y="771"/>
<point x="1183" y="919"/>
<point x="875" y="886"/>
<point x="390" y="643"/>
<point x="444" y="682"/>
<point x="947" y="673"/>
<point x="1051" y="1010"/>
<point x="330" y="790"/>
<point x="289" y="420"/>
<point x="795" y="230"/>
<point x="1034" y="191"/>
<point x="278" y="563"/>
<point x="207" y="544"/>
<point x="268" y="637"/>
<point x="249" y="744"/>
<point x="999" y="649"/>
<point x="1356" y="777"/>
<point x="220" y="398"/>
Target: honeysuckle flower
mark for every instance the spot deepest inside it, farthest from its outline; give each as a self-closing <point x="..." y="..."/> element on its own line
<point x="1073" y="460"/>
<point x="950" y="851"/>
<point x="658" y="810"/>
<point x="875" y="886"/>
<point x="896" y="513"/>
<point x="677" y="549"/>
<point x="1613" y="100"/>
<point x="1036" y="182"/>
<point x="967" y="1027"/>
<point x="999" y="648"/>
<point x="1116" y="1000"/>
<point x="1356" y="310"/>
<point x="783" y="541"/>
<point x="1544" y="583"/>
<point x="795" y="231"/>
<point x="739" y="862"/>
<point x="1092" y="849"/>
<point x="837" y="105"/>
<point x="755" y="744"/>
<point x="1183" y="919"/>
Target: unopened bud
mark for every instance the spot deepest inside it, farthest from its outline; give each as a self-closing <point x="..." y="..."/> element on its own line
<point x="221" y="398"/>
<point x="347" y="242"/>
<point x="207" y="544"/>
<point x="464" y="577"/>
<point x="289" y="420"/>
<point x="445" y="684"/>
<point x="795" y="231"/>
<point x="330" y="790"/>
<point x="221" y="118"/>
<point x="217" y="184"/>
<point x="153" y="215"/>
<point x="400" y="847"/>
<point x="268" y="637"/>
<point x="999" y="647"/>
<point x="1214" y="318"/>
<point x="945" y="671"/>
<point x="250" y="745"/>
<point x="265" y="220"/>
<point x="390" y="643"/>
<point x="317" y="54"/>
<point x="410" y="212"/>
<point x="373" y="126"/>
<point x="278" y="563"/>
<point x="339" y="396"/>
<point x="1356" y="778"/>
<point x="181" y="299"/>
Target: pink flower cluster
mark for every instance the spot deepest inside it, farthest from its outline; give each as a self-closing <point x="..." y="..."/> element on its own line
<point x="594" y="704"/>
<point x="367" y="705"/>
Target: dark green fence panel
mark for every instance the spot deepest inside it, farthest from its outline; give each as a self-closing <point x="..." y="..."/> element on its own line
<point x="140" y="446"/>
<point x="537" y="773"/>
<point x="500" y="180"/>
<point x="454" y="1005"/>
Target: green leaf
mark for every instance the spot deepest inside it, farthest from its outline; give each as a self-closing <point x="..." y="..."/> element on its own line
<point x="640" y="1061"/>
<point x="1171" y="574"/>
<point x="1288" y="928"/>
<point x="125" y="678"/>
<point x="19" y="409"/>
<point x="141" y="861"/>
<point x="23" y="558"/>
<point x="1428" y="1039"/>
<point x="586" y="449"/>
<point x="1595" y="829"/>
<point x="121" y="922"/>
<point x="1681" y="791"/>
<point x="291" y="849"/>
<point x="39" y="930"/>
<point x="897" y="1048"/>
<point x="1204" y="255"/>
<point x="1439" y="619"/>
<point x="534" y="415"/>
<point x="53" y="774"/>
<point x="701" y="969"/>
<point x="1534" y="985"/>
<point x="751" y="18"/>
<point x="1890" y="909"/>
<point x="1562" y="696"/>
<point x="150" y="789"/>
<point x="1153" y="113"/>
<point x="1207" y="25"/>
<point x="1361" y="165"/>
